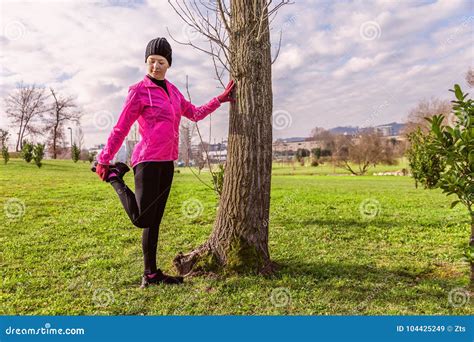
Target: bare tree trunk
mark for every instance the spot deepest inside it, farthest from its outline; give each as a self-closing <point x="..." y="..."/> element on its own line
<point x="62" y="110"/>
<point x="239" y="240"/>
<point x="19" y="144"/>
<point x="55" y="130"/>
<point x="22" y="135"/>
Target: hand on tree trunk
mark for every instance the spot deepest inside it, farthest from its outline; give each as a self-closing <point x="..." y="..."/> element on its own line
<point x="226" y="96"/>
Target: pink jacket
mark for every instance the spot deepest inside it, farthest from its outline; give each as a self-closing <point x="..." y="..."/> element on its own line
<point x="158" y="118"/>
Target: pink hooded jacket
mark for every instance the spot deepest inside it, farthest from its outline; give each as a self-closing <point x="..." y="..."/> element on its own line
<point x="158" y="118"/>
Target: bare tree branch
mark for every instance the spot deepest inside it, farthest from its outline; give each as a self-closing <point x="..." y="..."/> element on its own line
<point x="63" y="109"/>
<point x="223" y="18"/>
<point x="205" y="150"/>
<point x="277" y="53"/>
<point x="219" y="76"/>
<point x="193" y="16"/>
<point x="198" y="48"/>
<point x="23" y="106"/>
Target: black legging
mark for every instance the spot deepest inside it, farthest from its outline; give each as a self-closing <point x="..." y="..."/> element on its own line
<point x="146" y="207"/>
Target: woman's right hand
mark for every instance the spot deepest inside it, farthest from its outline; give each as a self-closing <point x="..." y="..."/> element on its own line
<point x="102" y="170"/>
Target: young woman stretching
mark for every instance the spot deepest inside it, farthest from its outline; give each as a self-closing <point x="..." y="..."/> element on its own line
<point x="157" y="105"/>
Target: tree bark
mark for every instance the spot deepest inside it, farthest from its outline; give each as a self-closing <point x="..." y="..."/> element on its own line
<point x="18" y="141"/>
<point x="55" y="130"/>
<point x="239" y="240"/>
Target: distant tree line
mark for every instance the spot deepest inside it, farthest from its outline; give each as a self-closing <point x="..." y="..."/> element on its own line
<point x="39" y="114"/>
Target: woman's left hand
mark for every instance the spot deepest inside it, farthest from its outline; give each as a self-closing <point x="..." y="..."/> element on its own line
<point x="226" y="96"/>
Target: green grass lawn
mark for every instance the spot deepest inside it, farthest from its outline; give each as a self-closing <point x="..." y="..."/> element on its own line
<point x="74" y="251"/>
<point x="330" y="169"/>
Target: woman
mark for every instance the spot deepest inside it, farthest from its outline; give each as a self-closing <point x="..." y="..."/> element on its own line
<point x="157" y="105"/>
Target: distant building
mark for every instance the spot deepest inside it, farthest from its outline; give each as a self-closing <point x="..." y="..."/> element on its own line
<point x="124" y="154"/>
<point x="217" y="153"/>
<point x="217" y="156"/>
<point x="288" y="147"/>
<point x="386" y="130"/>
<point x="97" y="149"/>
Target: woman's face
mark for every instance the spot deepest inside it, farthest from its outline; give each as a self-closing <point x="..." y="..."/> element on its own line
<point x="157" y="66"/>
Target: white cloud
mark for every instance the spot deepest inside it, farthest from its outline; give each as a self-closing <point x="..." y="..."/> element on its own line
<point x="290" y="57"/>
<point x="357" y="64"/>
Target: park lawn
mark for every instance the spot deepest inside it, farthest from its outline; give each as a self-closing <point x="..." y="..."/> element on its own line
<point x="326" y="168"/>
<point x="74" y="251"/>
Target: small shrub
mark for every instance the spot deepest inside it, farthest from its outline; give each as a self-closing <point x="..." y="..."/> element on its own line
<point x="27" y="151"/>
<point x="38" y="154"/>
<point x="75" y="153"/>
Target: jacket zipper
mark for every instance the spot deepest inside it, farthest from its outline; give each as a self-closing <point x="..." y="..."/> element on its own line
<point x="172" y="109"/>
<point x="174" y="116"/>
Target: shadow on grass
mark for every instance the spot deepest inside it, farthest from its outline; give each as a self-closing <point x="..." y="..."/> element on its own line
<point x="357" y="274"/>
<point x="357" y="286"/>
<point x="350" y="224"/>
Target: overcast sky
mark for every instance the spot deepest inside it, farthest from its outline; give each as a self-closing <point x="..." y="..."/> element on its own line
<point x="341" y="63"/>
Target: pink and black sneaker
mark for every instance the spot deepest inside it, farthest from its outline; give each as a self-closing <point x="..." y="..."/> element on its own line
<point x="160" y="278"/>
<point x="116" y="171"/>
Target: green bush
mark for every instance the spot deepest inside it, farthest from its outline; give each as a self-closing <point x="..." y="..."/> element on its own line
<point x="316" y="152"/>
<point x="301" y="153"/>
<point x="75" y="153"/>
<point x="27" y="151"/>
<point x="454" y="146"/>
<point x="3" y="140"/>
<point x="5" y="154"/>
<point x="38" y="154"/>
<point x="425" y="164"/>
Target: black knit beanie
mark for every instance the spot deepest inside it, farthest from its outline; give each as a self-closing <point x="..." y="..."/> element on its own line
<point x="159" y="46"/>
